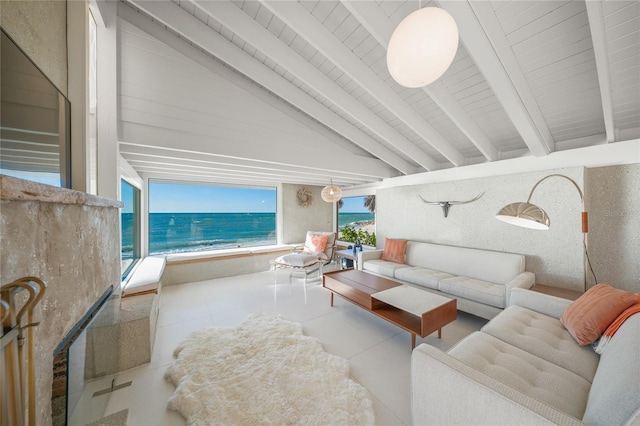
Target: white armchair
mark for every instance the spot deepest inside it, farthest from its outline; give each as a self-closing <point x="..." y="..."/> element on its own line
<point x="320" y="244"/>
<point x="318" y="250"/>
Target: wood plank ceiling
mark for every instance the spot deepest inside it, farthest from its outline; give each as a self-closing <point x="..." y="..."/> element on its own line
<point x="261" y="92"/>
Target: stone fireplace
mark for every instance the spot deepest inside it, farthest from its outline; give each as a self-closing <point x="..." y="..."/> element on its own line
<point x="68" y="373"/>
<point x="69" y="239"/>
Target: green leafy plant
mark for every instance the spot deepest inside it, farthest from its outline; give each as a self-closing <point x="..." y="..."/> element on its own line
<point x="352" y="235"/>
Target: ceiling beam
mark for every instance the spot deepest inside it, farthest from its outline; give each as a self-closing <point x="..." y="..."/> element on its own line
<point x="302" y="22"/>
<point x="371" y="16"/>
<point x="156" y="155"/>
<point x="152" y="134"/>
<point x="486" y="43"/>
<point x="262" y="39"/>
<point x="596" y="25"/>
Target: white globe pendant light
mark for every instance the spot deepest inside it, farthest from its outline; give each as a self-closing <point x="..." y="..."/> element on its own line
<point x="422" y="47"/>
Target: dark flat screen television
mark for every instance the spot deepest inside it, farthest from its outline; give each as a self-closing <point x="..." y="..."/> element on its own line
<point x="35" y="121"/>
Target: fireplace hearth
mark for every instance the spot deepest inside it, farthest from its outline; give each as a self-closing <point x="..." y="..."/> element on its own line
<point x="68" y="365"/>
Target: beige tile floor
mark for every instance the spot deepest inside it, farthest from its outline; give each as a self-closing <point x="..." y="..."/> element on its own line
<point x="379" y="353"/>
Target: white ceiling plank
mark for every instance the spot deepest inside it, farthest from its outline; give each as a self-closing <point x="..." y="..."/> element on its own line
<point x="180" y="156"/>
<point x="263" y="40"/>
<point x="156" y="136"/>
<point x="297" y="17"/>
<point x="258" y="72"/>
<point x="159" y="164"/>
<point x="142" y="142"/>
<point x="378" y="24"/>
<point x="596" y="24"/>
<point x="274" y="177"/>
<point x="487" y="45"/>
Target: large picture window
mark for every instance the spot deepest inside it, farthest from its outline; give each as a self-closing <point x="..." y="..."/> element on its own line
<point x="130" y="225"/>
<point x="185" y="217"/>
<point x="357" y="219"/>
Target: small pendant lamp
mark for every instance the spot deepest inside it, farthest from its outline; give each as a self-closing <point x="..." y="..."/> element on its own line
<point x="331" y="193"/>
<point x="422" y="47"/>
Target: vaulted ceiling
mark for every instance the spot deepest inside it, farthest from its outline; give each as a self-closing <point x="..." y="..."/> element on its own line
<point x="261" y="92"/>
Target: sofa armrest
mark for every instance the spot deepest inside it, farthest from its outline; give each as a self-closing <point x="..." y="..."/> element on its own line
<point x="524" y="280"/>
<point x="539" y="302"/>
<point x="365" y="255"/>
<point x="447" y="391"/>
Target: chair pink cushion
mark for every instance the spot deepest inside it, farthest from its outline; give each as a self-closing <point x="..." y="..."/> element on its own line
<point x="316" y="242"/>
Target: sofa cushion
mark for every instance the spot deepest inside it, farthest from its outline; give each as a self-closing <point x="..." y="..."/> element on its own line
<point x="476" y="290"/>
<point x="590" y="315"/>
<point x="615" y="392"/>
<point x="545" y="337"/>
<point x="421" y="276"/>
<point x="394" y="250"/>
<point x="383" y="267"/>
<point x="492" y="266"/>
<point x="524" y="372"/>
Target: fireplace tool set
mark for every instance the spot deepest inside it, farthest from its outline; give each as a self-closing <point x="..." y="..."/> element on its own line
<point x="15" y="380"/>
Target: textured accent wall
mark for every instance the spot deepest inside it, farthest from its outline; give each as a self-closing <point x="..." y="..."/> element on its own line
<point x="298" y="220"/>
<point x="40" y="29"/>
<point x="613" y="201"/>
<point x="555" y="256"/>
<point x="69" y="239"/>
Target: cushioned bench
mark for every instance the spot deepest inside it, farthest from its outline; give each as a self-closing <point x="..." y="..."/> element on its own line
<point x="122" y="335"/>
<point x="146" y="277"/>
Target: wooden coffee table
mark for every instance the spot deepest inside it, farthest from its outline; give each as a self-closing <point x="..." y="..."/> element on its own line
<point x="417" y="311"/>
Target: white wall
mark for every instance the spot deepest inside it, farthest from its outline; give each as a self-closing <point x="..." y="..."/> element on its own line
<point x="555" y="256"/>
<point x="612" y="198"/>
<point x="297" y="220"/>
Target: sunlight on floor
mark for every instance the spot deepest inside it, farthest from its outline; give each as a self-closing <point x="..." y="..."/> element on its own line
<point x="379" y="352"/>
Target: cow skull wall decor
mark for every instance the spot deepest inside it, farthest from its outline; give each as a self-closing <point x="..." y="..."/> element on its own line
<point x="446" y="204"/>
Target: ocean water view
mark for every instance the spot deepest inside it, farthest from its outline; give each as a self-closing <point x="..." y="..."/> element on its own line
<point x="187" y="232"/>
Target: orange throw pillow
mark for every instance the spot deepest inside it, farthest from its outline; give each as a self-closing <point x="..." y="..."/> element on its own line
<point x="590" y="315"/>
<point x="394" y="250"/>
<point x="317" y="243"/>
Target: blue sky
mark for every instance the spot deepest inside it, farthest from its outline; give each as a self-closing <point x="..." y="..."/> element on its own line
<point x="188" y="198"/>
<point x="354" y="205"/>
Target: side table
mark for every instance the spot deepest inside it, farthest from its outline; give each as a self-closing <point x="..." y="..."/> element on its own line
<point x="558" y="292"/>
<point x="348" y="254"/>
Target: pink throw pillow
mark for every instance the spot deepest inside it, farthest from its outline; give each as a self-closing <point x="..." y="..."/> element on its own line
<point x="394" y="250"/>
<point x="590" y="315"/>
<point x="316" y="243"/>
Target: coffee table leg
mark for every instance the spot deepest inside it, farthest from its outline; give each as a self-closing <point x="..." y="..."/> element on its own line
<point x="439" y="333"/>
<point x="413" y="341"/>
<point x="331" y="298"/>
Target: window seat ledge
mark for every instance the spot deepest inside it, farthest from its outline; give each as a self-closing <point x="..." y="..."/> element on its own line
<point x="203" y="256"/>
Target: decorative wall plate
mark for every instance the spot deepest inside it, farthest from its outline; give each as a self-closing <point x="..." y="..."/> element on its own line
<point x="304" y="197"/>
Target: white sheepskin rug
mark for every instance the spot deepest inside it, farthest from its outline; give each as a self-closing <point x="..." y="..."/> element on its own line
<point x="264" y="372"/>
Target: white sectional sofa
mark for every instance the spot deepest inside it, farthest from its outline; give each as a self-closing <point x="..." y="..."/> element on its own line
<point x="524" y="367"/>
<point x="481" y="280"/>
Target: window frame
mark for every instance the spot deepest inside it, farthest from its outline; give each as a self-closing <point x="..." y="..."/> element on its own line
<point x="338" y="209"/>
<point x="275" y="212"/>
<point x="137" y="238"/>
